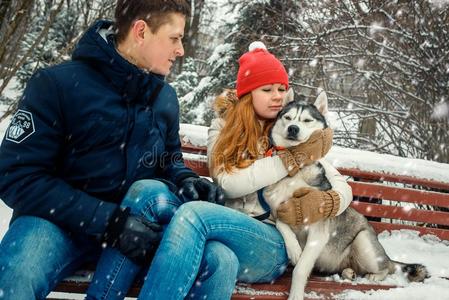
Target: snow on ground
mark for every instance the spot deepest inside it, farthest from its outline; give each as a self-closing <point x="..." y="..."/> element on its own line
<point x="407" y="246"/>
<point x="402" y="245"/>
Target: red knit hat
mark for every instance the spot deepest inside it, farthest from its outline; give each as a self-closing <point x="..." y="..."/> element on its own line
<point x="259" y="67"/>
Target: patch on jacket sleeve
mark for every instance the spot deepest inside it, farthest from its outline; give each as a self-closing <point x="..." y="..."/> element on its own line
<point x="21" y="127"/>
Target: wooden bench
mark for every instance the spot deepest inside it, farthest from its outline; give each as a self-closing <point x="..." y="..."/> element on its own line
<point x="381" y="197"/>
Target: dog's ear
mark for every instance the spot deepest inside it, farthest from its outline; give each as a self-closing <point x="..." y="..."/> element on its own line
<point x="321" y="103"/>
<point x="289" y="97"/>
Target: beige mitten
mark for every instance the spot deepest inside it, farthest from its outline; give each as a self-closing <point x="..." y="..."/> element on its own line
<point x="308" y="205"/>
<point x="316" y="147"/>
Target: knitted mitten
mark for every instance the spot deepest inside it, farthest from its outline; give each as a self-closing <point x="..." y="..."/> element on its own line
<point x="308" y="205"/>
<point x="316" y="147"/>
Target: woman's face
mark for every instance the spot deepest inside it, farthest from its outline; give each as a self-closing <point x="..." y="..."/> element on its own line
<point x="267" y="100"/>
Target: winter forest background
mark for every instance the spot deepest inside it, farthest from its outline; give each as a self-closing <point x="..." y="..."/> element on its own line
<point x="384" y="64"/>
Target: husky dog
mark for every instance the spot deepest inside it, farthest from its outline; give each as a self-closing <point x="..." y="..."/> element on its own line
<point x="344" y="244"/>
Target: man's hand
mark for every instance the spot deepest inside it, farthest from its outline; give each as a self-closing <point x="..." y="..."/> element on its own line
<point x="134" y="236"/>
<point x="316" y="147"/>
<point x="197" y="188"/>
<point x="308" y="205"/>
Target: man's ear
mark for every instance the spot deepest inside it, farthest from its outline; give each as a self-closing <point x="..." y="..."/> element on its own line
<point x="289" y="97"/>
<point x="321" y="103"/>
<point x="138" y="30"/>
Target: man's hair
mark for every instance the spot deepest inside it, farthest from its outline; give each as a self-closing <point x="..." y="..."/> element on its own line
<point x="154" y="12"/>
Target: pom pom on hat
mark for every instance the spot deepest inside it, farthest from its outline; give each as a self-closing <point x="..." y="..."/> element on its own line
<point x="256" y="45"/>
<point x="258" y="67"/>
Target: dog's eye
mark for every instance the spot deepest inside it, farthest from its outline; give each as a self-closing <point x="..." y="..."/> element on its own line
<point x="308" y="120"/>
<point x="288" y="118"/>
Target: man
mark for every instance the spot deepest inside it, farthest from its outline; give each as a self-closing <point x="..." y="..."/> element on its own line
<point x="85" y="131"/>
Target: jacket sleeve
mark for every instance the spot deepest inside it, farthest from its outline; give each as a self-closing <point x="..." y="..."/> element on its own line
<point x="241" y="182"/>
<point x="28" y="168"/>
<point x="339" y="185"/>
<point x="174" y="167"/>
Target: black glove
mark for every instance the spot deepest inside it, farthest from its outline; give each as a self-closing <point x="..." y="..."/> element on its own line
<point x="134" y="236"/>
<point x="197" y="188"/>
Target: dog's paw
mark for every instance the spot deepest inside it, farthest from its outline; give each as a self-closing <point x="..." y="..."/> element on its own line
<point x="294" y="255"/>
<point x="377" y="276"/>
<point x="296" y="296"/>
<point x="348" y="273"/>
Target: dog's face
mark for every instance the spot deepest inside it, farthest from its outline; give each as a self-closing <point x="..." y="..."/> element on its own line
<point x="297" y="120"/>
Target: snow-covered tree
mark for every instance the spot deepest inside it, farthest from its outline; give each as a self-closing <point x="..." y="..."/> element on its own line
<point x="196" y="95"/>
<point x="42" y="33"/>
<point x="384" y="65"/>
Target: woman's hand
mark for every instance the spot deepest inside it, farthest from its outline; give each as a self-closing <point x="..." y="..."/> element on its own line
<point x="316" y="147"/>
<point x="308" y="205"/>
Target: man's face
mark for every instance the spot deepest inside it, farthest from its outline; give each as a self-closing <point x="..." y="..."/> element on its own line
<point x="159" y="50"/>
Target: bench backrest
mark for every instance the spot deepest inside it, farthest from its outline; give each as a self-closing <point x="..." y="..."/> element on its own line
<point x="395" y="202"/>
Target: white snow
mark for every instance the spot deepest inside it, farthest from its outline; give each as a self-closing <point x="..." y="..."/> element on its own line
<point x="195" y="134"/>
<point x="439" y="4"/>
<point x="407" y="246"/>
<point x="5" y="216"/>
<point x="441" y="111"/>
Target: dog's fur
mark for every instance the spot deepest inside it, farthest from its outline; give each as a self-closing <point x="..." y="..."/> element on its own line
<point x="344" y="244"/>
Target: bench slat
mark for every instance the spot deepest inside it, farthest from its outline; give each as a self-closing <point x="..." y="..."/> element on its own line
<point x="265" y="291"/>
<point x="199" y="167"/>
<point x="401" y="213"/>
<point x="379" y="191"/>
<point x="189" y="148"/>
<point x="382" y="226"/>
<point x="377" y="176"/>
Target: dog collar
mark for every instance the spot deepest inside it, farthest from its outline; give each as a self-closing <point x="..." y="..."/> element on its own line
<point x="272" y="151"/>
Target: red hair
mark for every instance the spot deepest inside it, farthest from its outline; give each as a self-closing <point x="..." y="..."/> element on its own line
<point x="243" y="139"/>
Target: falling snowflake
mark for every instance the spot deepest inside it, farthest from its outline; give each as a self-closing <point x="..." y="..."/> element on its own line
<point x="375" y="27"/>
<point x="440" y="111"/>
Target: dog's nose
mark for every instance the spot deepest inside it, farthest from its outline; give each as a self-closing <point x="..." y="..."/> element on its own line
<point x="293" y="130"/>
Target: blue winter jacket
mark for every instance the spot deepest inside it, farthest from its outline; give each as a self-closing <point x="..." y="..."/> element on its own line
<point x="84" y="132"/>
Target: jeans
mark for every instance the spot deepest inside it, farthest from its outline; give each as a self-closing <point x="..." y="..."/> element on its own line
<point x="115" y="273"/>
<point x="204" y="250"/>
<point x="35" y="255"/>
<point x="250" y="250"/>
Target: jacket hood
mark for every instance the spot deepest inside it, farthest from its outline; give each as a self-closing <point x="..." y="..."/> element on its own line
<point x="97" y="47"/>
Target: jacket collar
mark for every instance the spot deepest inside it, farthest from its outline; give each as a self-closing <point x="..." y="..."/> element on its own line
<point x="97" y="47"/>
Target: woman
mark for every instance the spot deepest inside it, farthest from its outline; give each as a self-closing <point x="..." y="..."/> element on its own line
<point x="251" y="250"/>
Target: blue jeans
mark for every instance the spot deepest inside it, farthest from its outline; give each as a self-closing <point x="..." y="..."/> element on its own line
<point x="249" y="250"/>
<point x="35" y="255"/>
<point x="115" y="273"/>
<point x="205" y="249"/>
